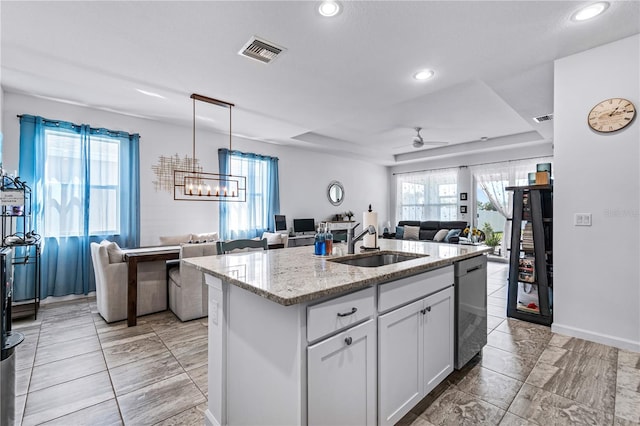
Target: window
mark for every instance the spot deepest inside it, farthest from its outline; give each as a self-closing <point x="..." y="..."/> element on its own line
<point x="242" y="218"/>
<point x="427" y="195"/>
<point x="85" y="184"/>
<point x="251" y="218"/>
<point x="494" y="202"/>
<point x="64" y="185"/>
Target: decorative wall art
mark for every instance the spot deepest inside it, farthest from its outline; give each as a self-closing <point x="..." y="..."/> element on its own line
<point x="165" y="166"/>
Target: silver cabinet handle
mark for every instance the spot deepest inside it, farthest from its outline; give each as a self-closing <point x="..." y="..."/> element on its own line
<point x="348" y="340"/>
<point x="346" y="314"/>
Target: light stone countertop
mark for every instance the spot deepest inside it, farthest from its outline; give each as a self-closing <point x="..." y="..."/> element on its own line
<point x="295" y="275"/>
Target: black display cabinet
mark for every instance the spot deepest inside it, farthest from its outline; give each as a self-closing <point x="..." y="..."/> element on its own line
<point x="531" y="255"/>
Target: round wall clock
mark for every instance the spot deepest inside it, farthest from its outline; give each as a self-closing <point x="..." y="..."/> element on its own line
<point x="611" y="115"/>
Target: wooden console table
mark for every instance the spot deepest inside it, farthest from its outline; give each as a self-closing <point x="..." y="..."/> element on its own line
<point x="135" y="256"/>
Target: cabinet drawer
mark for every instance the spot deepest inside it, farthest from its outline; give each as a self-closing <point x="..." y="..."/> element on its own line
<point x="400" y="292"/>
<point x="337" y="314"/>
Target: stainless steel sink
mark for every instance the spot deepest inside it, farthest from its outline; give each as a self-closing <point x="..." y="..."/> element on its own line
<point x="374" y="260"/>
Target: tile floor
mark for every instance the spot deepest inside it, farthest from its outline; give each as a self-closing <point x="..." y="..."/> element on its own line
<point x="74" y="369"/>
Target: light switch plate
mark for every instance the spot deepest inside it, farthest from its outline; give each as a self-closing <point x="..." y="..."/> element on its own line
<point x="582" y="219"/>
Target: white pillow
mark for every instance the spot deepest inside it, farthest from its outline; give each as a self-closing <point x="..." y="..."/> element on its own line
<point x="272" y="238"/>
<point x="440" y="235"/>
<point x="207" y="237"/>
<point x="115" y="253"/>
<point x="411" y="233"/>
<point x="175" y="240"/>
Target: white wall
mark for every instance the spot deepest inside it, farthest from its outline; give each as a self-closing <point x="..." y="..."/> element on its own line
<point x="597" y="283"/>
<point x="304" y="176"/>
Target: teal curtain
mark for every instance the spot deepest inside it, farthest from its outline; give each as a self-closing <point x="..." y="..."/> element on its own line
<point x="251" y="218"/>
<point x="66" y="266"/>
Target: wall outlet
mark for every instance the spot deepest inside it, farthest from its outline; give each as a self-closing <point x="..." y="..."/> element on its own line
<point x="582" y="219"/>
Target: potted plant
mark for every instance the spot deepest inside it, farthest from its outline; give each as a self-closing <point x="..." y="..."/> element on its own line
<point x="349" y="215"/>
<point x="493" y="239"/>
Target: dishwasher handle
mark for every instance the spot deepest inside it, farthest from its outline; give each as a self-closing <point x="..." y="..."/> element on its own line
<point x="475" y="268"/>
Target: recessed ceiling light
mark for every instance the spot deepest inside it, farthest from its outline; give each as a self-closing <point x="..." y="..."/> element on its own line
<point x="329" y="8"/>
<point x="423" y="75"/>
<point x="152" y="94"/>
<point x="590" y="11"/>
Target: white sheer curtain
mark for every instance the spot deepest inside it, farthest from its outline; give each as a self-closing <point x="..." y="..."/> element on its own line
<point x="427" y="195"/>
<point x="494" y="178"/>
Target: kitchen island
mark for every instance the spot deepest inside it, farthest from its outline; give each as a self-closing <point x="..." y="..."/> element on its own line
<point x="299" y="339"/>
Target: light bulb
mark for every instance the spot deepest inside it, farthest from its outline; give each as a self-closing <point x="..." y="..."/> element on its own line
<point x="423" y="75"/>
<point x="590" y="11"/>
<point x="329" y="8"/>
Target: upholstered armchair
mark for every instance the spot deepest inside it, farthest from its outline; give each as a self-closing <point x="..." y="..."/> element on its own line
<point x="276" y="239"/>
<point x="188" y="293"/>
<point x="111" y="283"/>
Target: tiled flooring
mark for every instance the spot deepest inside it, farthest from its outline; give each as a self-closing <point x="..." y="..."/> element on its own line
<point x="74" y="369"/>
<point x="530" y="376"/>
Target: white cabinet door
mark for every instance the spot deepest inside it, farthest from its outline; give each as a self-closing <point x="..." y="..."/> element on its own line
<point x="341" y="374"/>
<point x="400" y="374"/>
<point x="438" y="332"/>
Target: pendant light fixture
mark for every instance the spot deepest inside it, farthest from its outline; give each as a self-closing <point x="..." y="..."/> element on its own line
<point x="196" y="185"/>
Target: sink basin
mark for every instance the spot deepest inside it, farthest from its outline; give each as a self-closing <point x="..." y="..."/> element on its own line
<point x="377" y="259"/>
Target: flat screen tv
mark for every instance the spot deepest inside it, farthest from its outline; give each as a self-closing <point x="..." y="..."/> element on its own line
<point x="304" y="225"/>
<point x="281" y="222"/>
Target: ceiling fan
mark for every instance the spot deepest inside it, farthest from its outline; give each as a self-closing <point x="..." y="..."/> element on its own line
<point x="418" y="142"/>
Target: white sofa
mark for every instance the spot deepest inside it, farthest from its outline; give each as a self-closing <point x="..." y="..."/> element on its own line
<point x="188" y="293"/>
<point x="111" y="283"/>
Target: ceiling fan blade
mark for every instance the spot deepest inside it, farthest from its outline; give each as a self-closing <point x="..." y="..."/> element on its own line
<point x="435" y="143"/>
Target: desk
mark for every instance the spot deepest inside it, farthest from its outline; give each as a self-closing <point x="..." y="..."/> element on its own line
<point x="135" y="256"/>
<point x="301" y="240"/>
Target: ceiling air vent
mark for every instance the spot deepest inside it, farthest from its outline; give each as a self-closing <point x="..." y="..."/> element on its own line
<point x="542" y="118"/>
<point x="261" y="50"/>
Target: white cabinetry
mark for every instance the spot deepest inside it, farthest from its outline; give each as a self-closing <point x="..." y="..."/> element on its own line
<point x="341" y="378"/>
<point x="415" y="342"/>
<point x="341" y="368"/>
<point x="400" y="375"/>
<point x="356" y="359"/>
<point x="438" y="332"/>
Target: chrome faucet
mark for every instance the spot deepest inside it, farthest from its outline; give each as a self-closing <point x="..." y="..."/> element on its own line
<point x="351" y="240"/>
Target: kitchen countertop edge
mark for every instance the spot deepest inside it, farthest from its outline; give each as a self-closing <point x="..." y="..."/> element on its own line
<point x="398" y="271"/>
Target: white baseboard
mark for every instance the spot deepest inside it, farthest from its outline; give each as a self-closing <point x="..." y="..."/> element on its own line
<point x="209" y="420"/>
<point x="596" y="337"/>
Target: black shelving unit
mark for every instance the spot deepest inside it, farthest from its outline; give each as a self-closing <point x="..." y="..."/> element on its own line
<point x="531" y="256"/>
<point x="17" y="234"/>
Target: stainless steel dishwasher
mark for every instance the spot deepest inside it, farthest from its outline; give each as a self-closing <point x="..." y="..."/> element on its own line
<point x="471" y="308"/>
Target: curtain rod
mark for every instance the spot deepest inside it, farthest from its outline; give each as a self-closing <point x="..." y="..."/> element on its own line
<point x="470" y="165"/>
<point x="57" y="122"/>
